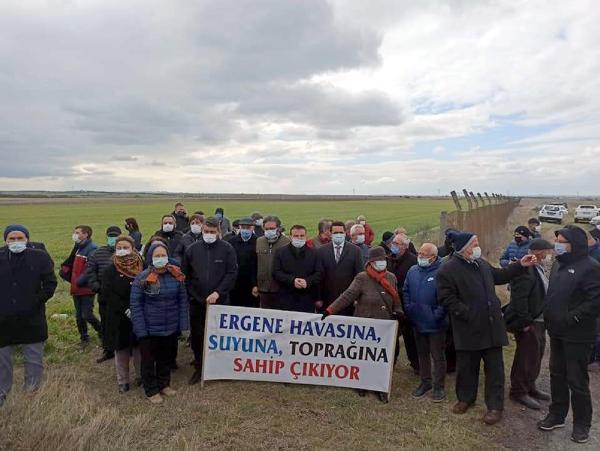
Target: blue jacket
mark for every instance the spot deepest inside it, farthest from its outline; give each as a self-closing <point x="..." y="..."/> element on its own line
<point x="514" y="250"/>
<point x="158" y="310"/>
<point x="595" y="251"/>
<point x="421" y="300"/>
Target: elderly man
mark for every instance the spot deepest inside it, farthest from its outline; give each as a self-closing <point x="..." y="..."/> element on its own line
<point x="429" y="320"/>
<point x="245" y="291"/>
<point x="570" y="312"/>
<point x="27" y="282"/>
<point x="358" y="238"/>
<point x="525" y="320"/>
<point x="400" y="260"/>
<point x="466" y="287"/>
<point x="266" y="246"/>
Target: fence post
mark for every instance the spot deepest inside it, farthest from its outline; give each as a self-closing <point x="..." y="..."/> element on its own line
<point x="456" y="201"/>
<point x="468" y="198"/>
<point x="443" y="226"/>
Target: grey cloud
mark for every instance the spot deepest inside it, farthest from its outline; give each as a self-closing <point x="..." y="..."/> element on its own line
<point x="124" y="158"/>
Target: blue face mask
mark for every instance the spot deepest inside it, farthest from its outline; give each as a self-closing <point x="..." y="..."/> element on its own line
<point x="246" y="234"/>
<point x="338" y="238"/>
<point x="270" y="234"/>
<point x="111" y="241"/>
<point x="560" y="248"/>
<point x="395" y="249"/>
<point x="219" y="216"/>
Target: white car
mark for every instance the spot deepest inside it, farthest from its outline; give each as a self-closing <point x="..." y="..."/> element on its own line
<point x="585" y="213"/>
<point x="595" y="221"/>
<point x="551" y="213"/>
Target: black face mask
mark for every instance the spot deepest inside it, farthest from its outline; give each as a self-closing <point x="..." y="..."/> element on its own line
<point x="518" y="239"/>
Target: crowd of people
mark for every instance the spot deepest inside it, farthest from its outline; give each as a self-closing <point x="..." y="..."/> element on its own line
<point x="443" y="297"/>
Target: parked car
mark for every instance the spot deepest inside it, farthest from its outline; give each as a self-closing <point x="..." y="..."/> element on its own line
<point x="563" y="206"/>
<point x="585" y="213"/>
<point x="595" y="221"/>
<point x="551" y="213"/>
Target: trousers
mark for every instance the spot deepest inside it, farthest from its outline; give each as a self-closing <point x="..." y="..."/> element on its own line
<point x="467" y="376"/>
<point x="33" y="354"/>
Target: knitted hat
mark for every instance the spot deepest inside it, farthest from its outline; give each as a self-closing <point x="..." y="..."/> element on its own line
<point x="387" y="236"/>
<point x="16" y="228"/>
<point x="461" y="240"/>
<point x="113" y="231"/>
<point x="376" y="253"/>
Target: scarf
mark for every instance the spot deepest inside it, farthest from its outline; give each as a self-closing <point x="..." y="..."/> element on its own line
<point x="380" y="278"/>
<point x="152" y="277"/>
<point x="129" y="265"/>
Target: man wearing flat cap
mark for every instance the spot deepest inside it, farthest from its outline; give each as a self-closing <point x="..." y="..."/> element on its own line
<point x="524" y="318"/>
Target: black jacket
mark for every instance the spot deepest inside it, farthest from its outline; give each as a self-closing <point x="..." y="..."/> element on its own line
<point x="36" y="245"/>
<point x="96" y="265"/>
<point x="245" y="252"/>
<point x="399" y="266"/>
<point x="527" y="295"/>
<point x="290" y="263"/>
<point x="186" y="241"/>
<point x="573" y="299"/>
<point x="173" y="238"/>
<point x="182" y="222"/>
<point x="116" y="290"/>
<point x="468" y="291"/>
<point x="27" y="281"/>
<point x="337" y="277"/>
<point x="208" y="268"/>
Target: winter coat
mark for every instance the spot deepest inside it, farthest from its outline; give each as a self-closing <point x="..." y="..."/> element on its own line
<point x="514" y="251"/>
<point x="594" y="251"/>
<point x="370" y="299"/>
<point x="173" y="238"/>
<point x="259" y="231"/>
<point x="182" y="222"/>
<point x="79" y="277"/>
<point x="136" y="236"/>
<point x="245" y="252"/>
<point x="158" y="310"/>
<point x="186" y="241"/>
<point x="527" y="296"/>
<point x="98" y="262"/>
<point x="336" y="277"/>
<point x="290" y="263"/>
<point x="265" y="253"/>
<point x="573" y="299"/>
<point x="116" y="292"/>
<point x="36" y="245"/>
<point x="420" y="299"/>
<point x="209" y="268"/>
<point x="27" y="282"/>
<point x="399" y="266"/>
<point x="467" y="290"/>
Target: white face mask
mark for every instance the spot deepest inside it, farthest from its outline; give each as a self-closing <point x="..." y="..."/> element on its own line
<point x="122" y="252"/>
<point x="476" y="253"/>
<point x="16" y="247"/>
<point x="196" y="229"/>
<point x="160" y="262"/>
<point x="298" y="243"/>
<point x="360" y="239"/>
<point x="423" y="262"/>
<point x="538" y="228"/>
<point x="168" y="228"/>
<point x="380" y="265"/>
<point x="209" y="238"/>
<point x="75" y="238"/>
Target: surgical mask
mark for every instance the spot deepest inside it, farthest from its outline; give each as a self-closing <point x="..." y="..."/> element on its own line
<point x="111" y="241"/>
<point x="560" y="248"/>
<point x="209" y="238"/>
<point x="271" y="234"/>
<point x="338" y="238"/>
<point x="122" y="252"/>
<point x="360" y="239"/>
<point x="16" y="247"/>
<point x="219" y="216"/>
<point x="259" y="222"/>
<point x="476" y="253"/>
<point x="168" y="228"/>
<point x="380" y="265"/>
<point x="298" y="243"/>
<point x="246" y="234"/>
<point x="538" y="228"/>
<point x="196" y="229"/>
<point x="160" y="262"/>
<point x="76" y="238"/>
<point x="423" y="262"/>
<point x="395" y="249"/>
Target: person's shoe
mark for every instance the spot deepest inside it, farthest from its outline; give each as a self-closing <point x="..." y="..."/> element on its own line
<point x="550" y="423"/>
<point x="106" y="355"/>
<point x="461" y="407"/>
<point x="196" y="377"/>
<point x="123" y="388"/>
<point x="156" y="399"/>
<point x="361" y="393"/>
<point x="527" y="401"/>
<point x="422" y="390"/>
<point x="138" y="382"/>
<point x="492" y="417"/>
<point x="168" y="391"/>
<point x="540" y="395"/>
<point x="383" y="397"/>
<point x="438" y="394"/>
<point x="580" y="434"/>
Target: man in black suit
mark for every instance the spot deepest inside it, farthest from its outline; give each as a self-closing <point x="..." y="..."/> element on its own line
<point x="525" y="320"/>
<point x="340" y="261"/>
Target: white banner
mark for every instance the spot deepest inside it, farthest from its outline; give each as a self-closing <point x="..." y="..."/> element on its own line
<point x="298" y="348"/>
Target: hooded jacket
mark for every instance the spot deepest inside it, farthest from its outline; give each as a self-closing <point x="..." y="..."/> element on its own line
<point x="420" y="299"/>
<point x="573" y="299"/>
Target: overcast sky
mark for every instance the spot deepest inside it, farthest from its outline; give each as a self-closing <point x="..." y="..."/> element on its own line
<point x="310" y="96"/>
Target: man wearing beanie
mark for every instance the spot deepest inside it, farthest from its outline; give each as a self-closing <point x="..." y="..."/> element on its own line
<point x="98" y="262"/>
<point x="518" y="247"/>
<point x="572" y="307"/>
<point x="27" y="282"/>
<point x="466" y="287"/>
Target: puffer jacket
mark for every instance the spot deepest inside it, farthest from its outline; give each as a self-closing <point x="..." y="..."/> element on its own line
<point x="420" y="299"/>
<point x="158" y="309"/>
<point x="514" y="251"/>
<point x="98" y="262"/>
